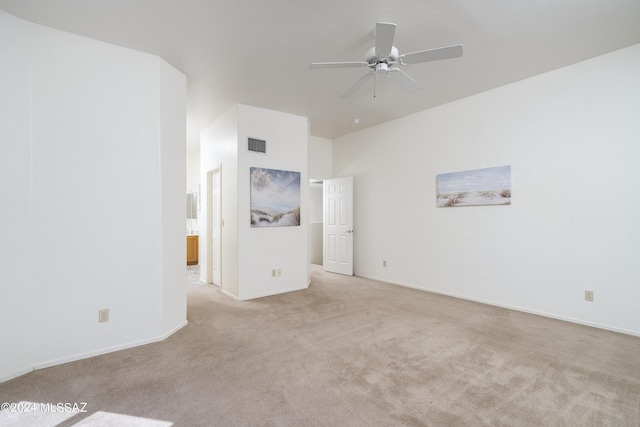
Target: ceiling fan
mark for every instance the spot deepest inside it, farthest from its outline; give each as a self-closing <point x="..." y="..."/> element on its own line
<point x="383" y="58"/>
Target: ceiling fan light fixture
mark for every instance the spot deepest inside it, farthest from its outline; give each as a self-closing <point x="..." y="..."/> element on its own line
<point x="382" y="68"/>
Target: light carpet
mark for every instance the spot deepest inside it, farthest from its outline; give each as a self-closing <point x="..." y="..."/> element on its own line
<point x="356" y="352"/>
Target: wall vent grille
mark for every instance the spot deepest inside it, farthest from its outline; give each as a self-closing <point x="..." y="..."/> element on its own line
<point x="257" y="145"/>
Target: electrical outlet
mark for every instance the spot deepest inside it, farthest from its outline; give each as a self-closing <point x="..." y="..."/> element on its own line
<point x="273" y="273"/>
<point x="588" y="296"/>
<point x="103" y="315"/>
<point x="384" y="263"/>
<point x="279" y="272"/>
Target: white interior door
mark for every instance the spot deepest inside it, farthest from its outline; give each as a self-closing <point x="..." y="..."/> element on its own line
<point x="338" y="225"/>
<point x="216" y="227"/>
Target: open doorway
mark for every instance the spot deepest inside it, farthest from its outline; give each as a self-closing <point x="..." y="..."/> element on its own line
<point x="214" y="230"/>
<point x="316" y="191"/>
<point x="338" y="225"/>
<point x="331" y="224"/>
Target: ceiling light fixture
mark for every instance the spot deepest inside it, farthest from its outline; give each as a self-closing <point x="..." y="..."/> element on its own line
<point x="356" y="121"/>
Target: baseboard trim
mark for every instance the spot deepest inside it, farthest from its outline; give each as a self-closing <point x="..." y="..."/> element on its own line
<point x="233" y="297"/>
<point x="16" y="374"/>
<point x="278" y="292"/>
<point x="508" y="306"/>
<point x="108" y="350"/>
<point x="174" y="330"/>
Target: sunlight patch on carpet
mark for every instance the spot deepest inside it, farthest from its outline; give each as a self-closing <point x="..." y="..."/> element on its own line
<point x="33" y="414"/>
<point x="110" y="419"/>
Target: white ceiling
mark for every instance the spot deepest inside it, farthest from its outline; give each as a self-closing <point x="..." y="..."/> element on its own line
<point x="257" y="52"/>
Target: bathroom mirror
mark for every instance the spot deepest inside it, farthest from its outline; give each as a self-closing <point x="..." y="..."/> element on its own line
<point x="192" y="205"/>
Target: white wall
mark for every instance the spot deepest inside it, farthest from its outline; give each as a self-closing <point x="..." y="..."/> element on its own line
<point x="16" y="222"/>
<point x="571" y="137"/>
<point x="173" y="125"/>
<point x="249" y="254"/>
<point x="219" y="150"/>
<point x="193" y="186"/>
<point x="320" y="161"/>
<point x="106" y="165"/>
<point x="193" y="170"/>
<point x="264" y="249"/>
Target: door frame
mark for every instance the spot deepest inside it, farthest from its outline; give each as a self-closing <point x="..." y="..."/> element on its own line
<point x="210" y="252"/>
<point x="344" y="230"/>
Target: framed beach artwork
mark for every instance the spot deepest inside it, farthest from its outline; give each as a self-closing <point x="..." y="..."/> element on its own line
<point x="478" y="187"/>
<point x="275" y="198"/>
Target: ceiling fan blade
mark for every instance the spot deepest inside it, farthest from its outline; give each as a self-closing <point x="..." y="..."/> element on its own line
<point x="431" y="55"/>
<point x="403" y="79"/>
<point x="385" y="32"/>
<point x="338" y="64"/>
<point x="357" y="85"/>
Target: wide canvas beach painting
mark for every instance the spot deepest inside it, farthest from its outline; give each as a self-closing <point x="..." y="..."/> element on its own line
<point x="275" y="198"/>
<point x="478" y="187"/>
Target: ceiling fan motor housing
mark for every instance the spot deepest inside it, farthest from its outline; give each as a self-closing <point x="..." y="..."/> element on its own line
<point x="374" y="60"/>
